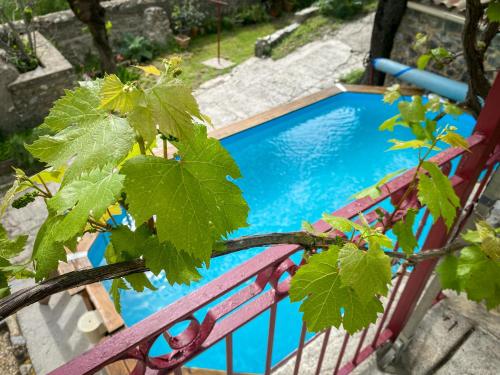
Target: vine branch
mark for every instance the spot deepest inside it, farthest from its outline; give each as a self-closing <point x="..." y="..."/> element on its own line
<point x="27" y="296"/>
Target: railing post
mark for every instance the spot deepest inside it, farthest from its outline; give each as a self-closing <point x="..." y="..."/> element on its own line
<point x="469" y="169"/>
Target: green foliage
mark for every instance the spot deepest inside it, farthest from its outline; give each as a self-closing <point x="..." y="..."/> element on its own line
<point x="374" y="190"/>
<point x="435" y="191"/>
<point x="192" y="193"/>
<point x="12" y="148"/>
<point x="353" y="77"/>
<point x="326" y="300"/>
<point x="493" y="11"/>
<point x="403" y="229"/>
<point x="475" y="270"/>
<point x="99" y="149"/>
<point x="187" y="15"/>
<point x="313" y="28"/>
<point x="252" y="15"/>
<point x="368" y="273"/>
<point x="137" y="49"/>
<point x="342" y="9"/>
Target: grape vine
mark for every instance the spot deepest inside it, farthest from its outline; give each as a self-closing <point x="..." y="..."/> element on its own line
<point x="101" y="160"/>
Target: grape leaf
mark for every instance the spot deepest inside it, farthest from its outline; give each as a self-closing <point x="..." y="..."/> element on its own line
<point x="413" y="111"/>
<point x="415" y="143"/>
<point x="104" y="141"/>
<point x="319" y="285"/>
<point x="455" y="140"/>
<point x="193" y="200"/>
<point x="116" y="286"/>
<point x="390" y="123"/>
<point x="88" y="195"/>
<point x="447" y="271"/>
<point x="141" y="119"/>
<point x="423" y="60"/>
<point x="179" y="267"/>
<point x="478" y="276"/>
<point x="403" y="229"/>
<point x="367" y="272"/>
<point x="139" y="281"/>
<point x="436" y="191"/>
<point x="172" y="107"/>
<point x="11" y="248"/>
<point x="149" y="69"/>
<point x="392" y="94"/>
<point x="47" y="251"/>
<point x="374" y="190"/>
<point x="116" y="96"/>
<point x="341" y="223"/>
<point x="77" y="107"/>
<point x="493" y="11"/>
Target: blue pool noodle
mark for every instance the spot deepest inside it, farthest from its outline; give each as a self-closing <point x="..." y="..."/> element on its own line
<point x="433" y="82"/>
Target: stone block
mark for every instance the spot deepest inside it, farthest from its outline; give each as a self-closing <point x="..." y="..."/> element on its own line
<point x="33" y="93"/>
<point x="264" y="45"/>
<point x="305" y="13"/>
<point x="157" y="25"/>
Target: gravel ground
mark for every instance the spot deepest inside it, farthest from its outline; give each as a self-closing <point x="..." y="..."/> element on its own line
<point x="8" y="363"/>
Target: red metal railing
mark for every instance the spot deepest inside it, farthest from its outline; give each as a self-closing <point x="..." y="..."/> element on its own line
<point x="267" y="268"/>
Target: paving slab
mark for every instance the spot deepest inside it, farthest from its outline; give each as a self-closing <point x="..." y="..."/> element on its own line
<point x="260" y="84"/>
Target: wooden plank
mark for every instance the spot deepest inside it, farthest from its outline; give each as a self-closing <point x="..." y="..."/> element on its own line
<point x="102" y="302"/>
<point x="86" y="242"/>
<point x="117" y="368"/>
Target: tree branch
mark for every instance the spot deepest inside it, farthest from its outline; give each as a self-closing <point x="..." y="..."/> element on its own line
<point x="27" y="296"/>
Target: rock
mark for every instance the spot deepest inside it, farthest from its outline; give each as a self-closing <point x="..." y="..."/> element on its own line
<point x="26" y="369"/>
<point x="19" y="348"/>
<point x="263" y="46"/>
<point x="157" y="25"/>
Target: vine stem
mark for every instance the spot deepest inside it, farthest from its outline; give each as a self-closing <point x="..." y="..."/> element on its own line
<point x="27" y="296"/>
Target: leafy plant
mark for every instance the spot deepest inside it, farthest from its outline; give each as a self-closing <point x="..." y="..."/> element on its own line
<point x="251" y="15"/>
<point x="20" y="46"/>
<point x="353" y="77"/>
<point x="342" y="284"/>
<point x="136" y="48"/>
<point x="100" y="151"/>
<point x="186" y="16"/>
<point x="342" y="9"/>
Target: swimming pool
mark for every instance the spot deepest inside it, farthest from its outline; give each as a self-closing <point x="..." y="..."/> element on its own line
<point x="294" y="168"/>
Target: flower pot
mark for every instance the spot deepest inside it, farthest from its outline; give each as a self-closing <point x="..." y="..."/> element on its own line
<point x="182" y="40"/>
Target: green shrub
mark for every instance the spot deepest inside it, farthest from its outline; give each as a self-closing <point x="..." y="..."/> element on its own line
<point x="252" y="15"/>
<point x="341" y="8"/>
<point x="301" y="4"/>
<point x="353" y="77"/>
<point x="137" y="48"/>
<point x="12" y="148"/>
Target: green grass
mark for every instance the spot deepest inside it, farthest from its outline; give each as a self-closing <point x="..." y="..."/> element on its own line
<point x="236" y="45"/>
<point x="312" y="29"/>
<point x="353" y="77"/>
<point x="40" y="7"/>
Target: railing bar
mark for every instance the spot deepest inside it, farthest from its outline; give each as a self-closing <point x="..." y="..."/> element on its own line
<point x="229" y="354"/>
<point x="360" y="344"/>
<point x="389" y="305"/>
<point x="301" y="347"/>
<point x="270" y="338"/>
<point x="323" y="350"/>
<point x="422" y="224"/>
<point x="341" y="354"/>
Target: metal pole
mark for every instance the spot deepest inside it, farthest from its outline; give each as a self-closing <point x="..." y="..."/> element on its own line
<point x="219" y="17"/>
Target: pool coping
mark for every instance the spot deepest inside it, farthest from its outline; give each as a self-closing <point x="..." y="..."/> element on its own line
<point x="93" y="296"/>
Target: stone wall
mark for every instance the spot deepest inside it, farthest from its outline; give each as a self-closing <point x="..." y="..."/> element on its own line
<point x="443" y="30"/>
<point x="126" y="16"/>
<point x="26" y="98"/>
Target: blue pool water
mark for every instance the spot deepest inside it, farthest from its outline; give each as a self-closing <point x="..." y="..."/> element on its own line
<point x="294" y="168"/>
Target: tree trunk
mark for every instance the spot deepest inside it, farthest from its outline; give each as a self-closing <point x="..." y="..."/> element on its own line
<point x="387" y="19"/>
<point x="92" y="14"/>
<point x="479" y="86"/>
